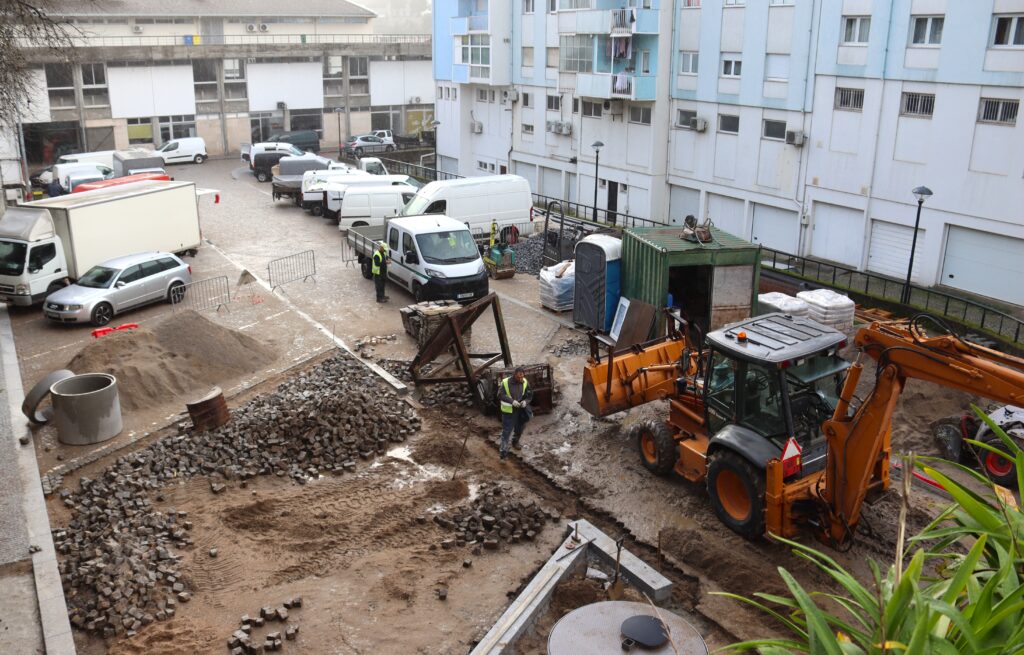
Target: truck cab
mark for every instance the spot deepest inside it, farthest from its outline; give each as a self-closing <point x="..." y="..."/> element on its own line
<point x="32" y="263"/>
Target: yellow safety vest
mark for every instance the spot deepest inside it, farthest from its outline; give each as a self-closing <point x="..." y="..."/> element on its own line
<point x="378" y="258"/>
<point x="506" y="407"/>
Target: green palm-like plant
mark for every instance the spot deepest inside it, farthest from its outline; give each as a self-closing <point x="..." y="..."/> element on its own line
<point x="975" y="605"/>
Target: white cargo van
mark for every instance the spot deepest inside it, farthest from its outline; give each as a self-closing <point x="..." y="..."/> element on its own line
<point x="334" y="190"/>
<point x="370" y="205"/>
<point x="62" y="172"/>
<point x="105" y="157"/>
<point x="477" y="201"/>
<point x="180" y="151"/>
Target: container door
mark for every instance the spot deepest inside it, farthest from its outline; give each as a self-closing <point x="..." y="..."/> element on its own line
<point x="589" y="299"/>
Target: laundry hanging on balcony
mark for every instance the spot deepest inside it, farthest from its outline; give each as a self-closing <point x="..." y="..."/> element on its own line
<point x="621" y="83"/>
<point x="621" y="47"/>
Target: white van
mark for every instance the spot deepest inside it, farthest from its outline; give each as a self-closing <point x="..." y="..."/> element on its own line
<point x="477" y="201"/>
<point x="62" y="171"/>
<point x="105" y="157"/>
<point x="179" y="151"/>
<point x="370" y="205"/>
<point x="334" y="189"/>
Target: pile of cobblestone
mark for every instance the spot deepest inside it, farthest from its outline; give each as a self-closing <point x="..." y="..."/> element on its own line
<point x="117" y="553"/>
<point x="492" y="518"/>
<point x="529" y="253"/>
<point x="242" y="641"/>
<point x="574" y="347"/>
<point x="431" y="395"/>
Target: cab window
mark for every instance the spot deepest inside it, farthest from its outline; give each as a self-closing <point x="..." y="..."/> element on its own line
<point x="407" y="244"/>
<point x="393" y="238"/>
<point x="760" y="400"/>
<point x="173" y="145"/>
<point x="40" y="255"/>
<point x="438" y="207"/>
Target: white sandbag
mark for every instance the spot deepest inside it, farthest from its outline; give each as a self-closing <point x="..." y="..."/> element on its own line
<point x="826" y="300"/>
<point x="558" y="285"/>
<point x="768" y="303"/>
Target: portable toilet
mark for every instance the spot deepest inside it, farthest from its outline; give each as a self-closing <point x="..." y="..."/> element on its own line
<point x="598" y="281"/>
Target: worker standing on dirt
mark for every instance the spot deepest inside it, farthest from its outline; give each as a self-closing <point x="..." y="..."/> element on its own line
<point x="380" y="270"/>
<point x="514" y="396"/>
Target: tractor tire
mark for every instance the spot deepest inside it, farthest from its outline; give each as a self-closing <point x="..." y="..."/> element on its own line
<point x="365" y="267"/>
<point x="658" y="450"/>
<point x="998" y="469"/>
<point x="736" y="489"/>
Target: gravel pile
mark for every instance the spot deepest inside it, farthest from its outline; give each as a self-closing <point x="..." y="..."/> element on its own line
<point x="574" y="347"/>
<point x="528" y="254"/>
<point x="493" y="518"/>
<point x="431" y="395"/>
<point x="117" y="559"/>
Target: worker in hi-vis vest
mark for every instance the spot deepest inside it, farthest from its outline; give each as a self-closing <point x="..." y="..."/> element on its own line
<point x="380" y="270"/>
<point x="514" y="398"/>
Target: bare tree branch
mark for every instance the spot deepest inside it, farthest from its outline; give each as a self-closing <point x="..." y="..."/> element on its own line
<point x="23" y="23"/>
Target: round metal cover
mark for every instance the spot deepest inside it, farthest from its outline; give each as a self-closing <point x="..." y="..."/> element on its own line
<point x="647" y="631"/>
<point x="595" y="630"/>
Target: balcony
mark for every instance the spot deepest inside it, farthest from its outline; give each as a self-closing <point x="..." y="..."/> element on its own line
<point x="612" y="22"/>
<point x="608" y="86"/>
<point x="477" y="23"/>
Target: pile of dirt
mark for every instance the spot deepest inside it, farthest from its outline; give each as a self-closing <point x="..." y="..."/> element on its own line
<point x="439" y="448"/>
<point x="181" y="356"/>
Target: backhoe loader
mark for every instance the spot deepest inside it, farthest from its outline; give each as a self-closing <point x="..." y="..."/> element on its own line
<point x="764" y="411"/>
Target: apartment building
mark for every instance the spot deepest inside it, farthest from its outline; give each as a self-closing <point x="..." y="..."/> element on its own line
<point x="802" y="125"/>
<point x="231" y="72"/>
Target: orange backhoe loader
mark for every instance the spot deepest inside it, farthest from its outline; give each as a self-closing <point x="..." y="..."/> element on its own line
<point x="765" y="411"/>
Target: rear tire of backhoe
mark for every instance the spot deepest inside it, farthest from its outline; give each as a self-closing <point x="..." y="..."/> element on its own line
<point x="736" y="489"/>
<point x="658" y="450"/>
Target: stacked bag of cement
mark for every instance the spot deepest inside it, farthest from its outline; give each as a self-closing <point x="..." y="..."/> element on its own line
<point x="829" y="308"/>
<point x="557" y="286"/>
<point x="768" y="303"/>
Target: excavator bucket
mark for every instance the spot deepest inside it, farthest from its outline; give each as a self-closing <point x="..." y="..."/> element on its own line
<point x="631" y="377"/>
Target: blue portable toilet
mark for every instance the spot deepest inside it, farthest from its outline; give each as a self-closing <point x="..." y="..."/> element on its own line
<point x="598" y="281"/>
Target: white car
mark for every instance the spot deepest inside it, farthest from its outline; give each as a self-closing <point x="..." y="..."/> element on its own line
<point x="385" y="136"/>
<point x="190" y="149"/>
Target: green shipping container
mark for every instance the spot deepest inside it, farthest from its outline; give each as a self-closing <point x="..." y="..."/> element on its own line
<point x="713" y="283"/>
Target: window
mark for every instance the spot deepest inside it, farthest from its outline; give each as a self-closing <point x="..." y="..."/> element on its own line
<point x="131" y="274"/>
<point x="774" y="130"/>
<point x="482" y="165"/>
<point x="917" y="104"/>
<point x="481" y="95"/>
<point x="170" y="147"/>
<point x="40" y="255"/>
<point x="60" y="85"/>
<point x="1009" y="30"/>
<point x="735" y="2"/>
<point x="575" y="105"/>
<point x="850" y="99"/>
<point x="691" y="4"/>
<point x="527" y="6"/>
<point x="203" y="70"/>
<point x="684" y="117"/>
<point x="856" y="29"/>
<point x="927" y="30"/>
<point x="552" y="58"/>
<point x="781" y="2"/>
<point x="728" y="124"/>
<point x="333" y="66"/>
<point x="645" y="62"/>
<point x="94" y="75"/>
<point x="552" y="6"/>
<point x="447" y="93"/>
<point x="731" y="65"/>
<point x="407" y="244"/>
<point x="527" y="100"/>
<point x="455" y="93"/>
<point x="140" y="130"/>
<point x="576" y="54"/>
<point x="554" y="103"/>
<point x="177" y="127"/>
<point x="234" y="69"/>
<point x="591" y="109"/>
<point x="997" y="110"/>
<point x="308" y="119"/>
<point x="688" y="63"/>
<point x="528" y="56"/>
<point x="440" y="93"/>
<point x="776" y="67"/>
<point x="638" y="114"/>
<point x="492" y="96"/>
<point x="527" y="129"/>
<point x="574" y="4"/>
<point x="393" y="239"/>
<point x="358" y="66"/>
<point x="476" y="51"/>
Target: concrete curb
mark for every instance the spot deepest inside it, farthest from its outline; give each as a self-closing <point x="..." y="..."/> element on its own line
<point x="53" y="611"/>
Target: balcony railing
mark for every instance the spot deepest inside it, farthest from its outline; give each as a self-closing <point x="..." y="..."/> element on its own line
<point x="239" y="39"/>
<point x="462" y="25"/>
<point x="613" y="22"/>
<point x="615" y="85"/>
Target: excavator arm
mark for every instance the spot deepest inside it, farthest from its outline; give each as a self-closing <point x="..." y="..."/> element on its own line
<point x="858" y="442"/>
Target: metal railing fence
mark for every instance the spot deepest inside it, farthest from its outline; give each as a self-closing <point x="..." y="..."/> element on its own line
<point x="197" y="40"/>
<point x="211" y="293"/>
<point x="301" y="265"/>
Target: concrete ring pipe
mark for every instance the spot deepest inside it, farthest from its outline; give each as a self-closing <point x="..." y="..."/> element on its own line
<point x="30" y="406"/>
<point x="86" y="409"/>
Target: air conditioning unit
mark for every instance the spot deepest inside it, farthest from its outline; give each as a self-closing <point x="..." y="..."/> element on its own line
<point x="476" y="127"/>
<point x="137" y="29"/>
<point x="614" y="107"/>
<point x="794" y="138"/>
<point x="513" y="95"/>
<point x="282" y="105"/>
<point x="251" y="27"/>
<point x="264" y="27"/>
<point x="566" y="128"/>
<point x="552" y="126"/>
<point x="417" y="100"/>
<point x="698" y="124"/>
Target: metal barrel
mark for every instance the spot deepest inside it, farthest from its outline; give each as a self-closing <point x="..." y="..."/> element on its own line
<point x="209" y="412"/>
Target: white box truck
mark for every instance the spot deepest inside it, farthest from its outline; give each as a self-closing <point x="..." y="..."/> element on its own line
<point x="47" y="244"/>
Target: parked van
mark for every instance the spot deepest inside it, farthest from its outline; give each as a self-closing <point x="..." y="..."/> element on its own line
<point x="61" y="172"/>
<point x="105" y="157"/>
<point x="334" y="189"/>
<point x="371" y="205"/>
<point x="314" y="183"/>
<point x="477" y="201"/>
<point x="249" y="151"/>
<point x="179" y="151"/>
<point x="307" y="140"/>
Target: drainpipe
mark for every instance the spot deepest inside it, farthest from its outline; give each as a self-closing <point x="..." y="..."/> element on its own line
<point x="813" y="28"/>
<point x="874" y="155"/>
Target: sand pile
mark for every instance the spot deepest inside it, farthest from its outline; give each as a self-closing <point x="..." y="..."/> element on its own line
<point x="182" y="356"/>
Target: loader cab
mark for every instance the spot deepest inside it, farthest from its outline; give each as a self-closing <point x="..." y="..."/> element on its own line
<point x="775" y="377"/>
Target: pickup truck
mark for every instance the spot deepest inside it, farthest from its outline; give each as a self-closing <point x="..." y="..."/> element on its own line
<point x="287" y="180"/>
<point x="432" y="257"/>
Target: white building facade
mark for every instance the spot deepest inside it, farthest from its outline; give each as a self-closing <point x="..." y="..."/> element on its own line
<point x="801" y="125"/>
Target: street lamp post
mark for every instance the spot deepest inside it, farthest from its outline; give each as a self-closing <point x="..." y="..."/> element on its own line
<point x="596" y="145"/>
<point x="922" y="193"/>
<point x="435" y="124"/>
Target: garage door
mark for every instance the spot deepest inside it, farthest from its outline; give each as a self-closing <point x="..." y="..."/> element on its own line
<point x="838" y="234"/>
<point x="889" y="250"/>
<point x="778" y="229"/>
<point x="551" y="183"/>
<point x="727" y="214"/>
<point x="529" y="171"/>
<point x="984" y="263"/>
<point x="681" y="203"/>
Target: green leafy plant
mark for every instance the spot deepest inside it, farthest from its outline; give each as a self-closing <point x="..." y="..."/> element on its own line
<point x="974" y="605"/>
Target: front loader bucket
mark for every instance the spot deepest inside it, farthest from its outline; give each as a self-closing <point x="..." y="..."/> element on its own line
<point x="631" y="377"/>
